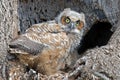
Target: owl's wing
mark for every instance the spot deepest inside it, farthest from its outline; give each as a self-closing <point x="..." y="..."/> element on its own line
<point x="34" y="43"/>
<point x="24" y="45"/>
<point x="37" y="38"/>
<point x="49" y="26"/>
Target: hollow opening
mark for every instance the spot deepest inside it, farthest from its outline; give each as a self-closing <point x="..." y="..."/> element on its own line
<point x="98" y="35"/>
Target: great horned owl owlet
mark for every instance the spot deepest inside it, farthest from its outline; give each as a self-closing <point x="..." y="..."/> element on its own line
<point x="46" y="46"/>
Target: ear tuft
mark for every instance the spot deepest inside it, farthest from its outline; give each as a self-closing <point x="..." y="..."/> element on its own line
<point x="83" y="15"/>
<point x="67" y="9"/>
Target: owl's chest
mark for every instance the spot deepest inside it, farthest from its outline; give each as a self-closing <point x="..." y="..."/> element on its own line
<point x="51" y="59"/>
<point x="59" y="45"/>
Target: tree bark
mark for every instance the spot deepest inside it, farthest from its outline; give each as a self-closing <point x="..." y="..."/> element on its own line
<point x="9" y="25"/>
<point x="18" y="15"/>
<point x="104" y="61"/>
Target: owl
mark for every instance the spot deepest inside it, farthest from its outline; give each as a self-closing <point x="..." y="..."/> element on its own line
<point x="45" y="47"/>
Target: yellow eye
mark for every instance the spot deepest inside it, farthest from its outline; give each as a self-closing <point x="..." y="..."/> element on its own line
<point x="67" y="20"/>
<point x="78" y="23"/>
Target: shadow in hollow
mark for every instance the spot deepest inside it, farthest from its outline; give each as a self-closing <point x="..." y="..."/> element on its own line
<point x="98" y="35"/>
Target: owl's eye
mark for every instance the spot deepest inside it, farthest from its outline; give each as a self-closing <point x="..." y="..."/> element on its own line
<point x="78" y="23"/>
<point x="67" y="20"/>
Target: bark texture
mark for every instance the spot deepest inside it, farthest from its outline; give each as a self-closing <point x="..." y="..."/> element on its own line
<point x="104" y="61"/>
<point x="31" y="12"/>
<point x="9" y="24"/>
<point x="97" y="63"/>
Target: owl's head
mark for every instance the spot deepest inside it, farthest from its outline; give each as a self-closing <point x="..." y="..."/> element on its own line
<point x="71" y="21"/>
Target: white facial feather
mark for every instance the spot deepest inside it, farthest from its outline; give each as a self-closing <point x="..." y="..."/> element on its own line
<point x="71" y="13"/>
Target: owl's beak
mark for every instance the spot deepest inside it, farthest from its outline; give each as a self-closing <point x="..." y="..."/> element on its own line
<point x="69" y="27"/>
<point x="72" y="26"/>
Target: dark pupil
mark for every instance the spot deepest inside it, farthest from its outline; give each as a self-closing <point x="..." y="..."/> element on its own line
<point x="78" y="22"/>
<point x="67" y="20"/>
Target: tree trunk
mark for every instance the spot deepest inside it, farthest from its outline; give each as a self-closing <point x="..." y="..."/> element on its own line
<point x="100" y="62"/>
<point x="104" y="61"/>
<point x="9" y="23"/>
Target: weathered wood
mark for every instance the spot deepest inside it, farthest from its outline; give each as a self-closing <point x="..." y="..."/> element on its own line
<point x="31" y="12"/>
<point x="9" y="24"/>
<point x="104" y="60"/>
